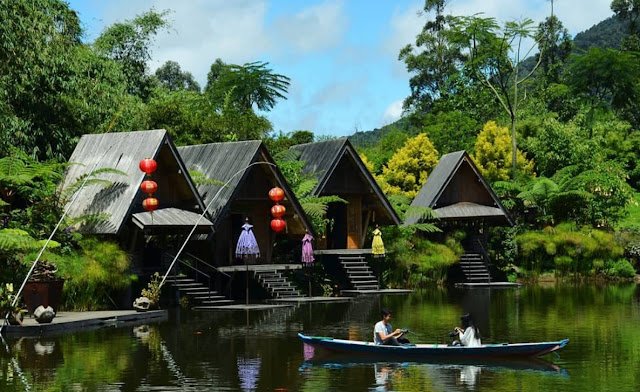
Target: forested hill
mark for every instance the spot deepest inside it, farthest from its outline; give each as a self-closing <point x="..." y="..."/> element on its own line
<point x="606" y="34"/>
<point x="365" y="139"/>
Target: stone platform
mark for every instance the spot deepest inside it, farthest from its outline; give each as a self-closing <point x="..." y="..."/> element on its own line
<point x="81" y="321"/>
<point x="299" y="300"/>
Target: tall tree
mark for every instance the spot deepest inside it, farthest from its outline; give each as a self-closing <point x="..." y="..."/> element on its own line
<point x="435" y="59"/>
<point x="608" y="78"/>
<point x="129" y="44"/>
<point x="173" y="78"/>
<point x="557" y="44"/>
<point x="495" y="58"/>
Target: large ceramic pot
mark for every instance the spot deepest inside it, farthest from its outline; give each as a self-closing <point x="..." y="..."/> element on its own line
<point x="45" y="293"/>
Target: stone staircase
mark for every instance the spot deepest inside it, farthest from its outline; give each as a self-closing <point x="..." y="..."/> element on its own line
<point x="474" y="268"/>
<point x="276" y="284"/>
<point x="358" y="272"/>
<point x="200" y="296"/>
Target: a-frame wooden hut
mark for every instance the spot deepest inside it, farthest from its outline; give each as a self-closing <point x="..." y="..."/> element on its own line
<point x="461" y="198"/>
<point x="120" y="202"/>
<point x="340" y="171"/>
<point x="456" y="191"/>
<point x="245" y="195"/>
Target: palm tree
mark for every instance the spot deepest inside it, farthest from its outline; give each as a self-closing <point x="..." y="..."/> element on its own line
<point x="250" y="84"/>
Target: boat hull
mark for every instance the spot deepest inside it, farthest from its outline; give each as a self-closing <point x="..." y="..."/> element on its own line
<point x="504" y="350"/>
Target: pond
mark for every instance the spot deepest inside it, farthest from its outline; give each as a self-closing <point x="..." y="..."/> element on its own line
<point x="258" y="350"/>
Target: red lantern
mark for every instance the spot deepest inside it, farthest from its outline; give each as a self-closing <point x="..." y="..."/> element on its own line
<point x="276" y="194"/>
<point x="148" y="165"/>
<point x="149" y="187"/>
<point x="278" y="225"/>
<point x="150" y="204"/>
<point x="278" y="211"/>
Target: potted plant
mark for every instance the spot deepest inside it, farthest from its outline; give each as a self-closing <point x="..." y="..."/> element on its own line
<point x="44" y="287"/>
<point x="14" y="313"/>
<point x="150" y="296"/>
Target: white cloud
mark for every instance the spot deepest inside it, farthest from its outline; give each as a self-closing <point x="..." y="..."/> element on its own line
<point x="203" y="30"/>
<point x="392" y="112"/>
<point x="314" y="28"/>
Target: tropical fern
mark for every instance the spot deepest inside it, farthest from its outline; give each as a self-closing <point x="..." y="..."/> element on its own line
<point x="92" y="179"/>
<point x="17" y="240"/>
<point x="424" y="217"/>
<point x="199" y="178"/>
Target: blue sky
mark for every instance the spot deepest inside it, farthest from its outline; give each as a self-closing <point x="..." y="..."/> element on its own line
<point x="341" y="55"/>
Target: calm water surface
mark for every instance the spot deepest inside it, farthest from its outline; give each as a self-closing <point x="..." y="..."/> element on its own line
<point x="259" y="351"/>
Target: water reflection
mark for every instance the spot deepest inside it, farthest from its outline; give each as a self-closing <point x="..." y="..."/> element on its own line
<point x="441" y="375"/>
<point x="259" y="351"/>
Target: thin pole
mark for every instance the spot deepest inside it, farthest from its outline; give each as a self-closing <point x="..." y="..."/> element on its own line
<point x="55" y="229"/>
<point x="246" y="280"/>
<point x="202" y="216"/>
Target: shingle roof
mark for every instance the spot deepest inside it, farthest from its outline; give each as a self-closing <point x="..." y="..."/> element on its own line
<point x="321" y="158"/>
<point x="226" y="162"/>
<point x="122" y="151"/>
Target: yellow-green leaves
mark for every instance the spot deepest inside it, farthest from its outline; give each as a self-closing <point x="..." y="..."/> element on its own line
<point x="493" y="154"/>
<point x="408" y="168"/>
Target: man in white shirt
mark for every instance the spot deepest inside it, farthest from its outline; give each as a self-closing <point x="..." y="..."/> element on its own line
<point x="382" y="330"/>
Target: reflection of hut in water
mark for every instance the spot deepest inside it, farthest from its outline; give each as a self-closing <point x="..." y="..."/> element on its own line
<point x="463" y="200"/>
<point x="143" y="234"/>
<point x="247" y="196"/>
<point x="340" y="172"/>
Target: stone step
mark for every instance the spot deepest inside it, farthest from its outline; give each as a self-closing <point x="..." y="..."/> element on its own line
<point x="213" y="302"/>
<point x="361" y="282"/>
<point x="208" y="297"/>
<point x="180" y="286"/>
<point x="211" y="307"/>
<point x="180" y="280"/>
<point x="194" y="289"/>
<point x="354" y="264"/>
<point x="272" y="280"/>
<point x="350" y="258"/>
<point x="283" y="288"/>
<point x="291" y="294"/>
<point x="367" y="287"/>
<point x="269" y="275"/>
<point x="358" y="268"/>
<point x="359" y="274"/>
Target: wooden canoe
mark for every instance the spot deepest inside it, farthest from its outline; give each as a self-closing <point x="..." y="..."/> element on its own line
<point x="502" y="350"/>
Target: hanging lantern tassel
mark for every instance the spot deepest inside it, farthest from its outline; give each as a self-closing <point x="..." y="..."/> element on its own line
<point x="276" y="194"/>
<point x="278" y="225"/>
<point x="150" y="204"/>
<point x="278" y="211"/>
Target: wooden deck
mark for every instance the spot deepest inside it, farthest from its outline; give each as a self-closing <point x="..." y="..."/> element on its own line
<point x="259" y="267"/>
<point x="342" y="252"/>
<point x="81" y="321"/>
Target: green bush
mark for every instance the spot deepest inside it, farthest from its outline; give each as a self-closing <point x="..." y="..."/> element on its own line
<point x="92" y="274"/>
<point x="419" y="261"/>
<point x="568" y="248"/>
<point x="620" y="268"/>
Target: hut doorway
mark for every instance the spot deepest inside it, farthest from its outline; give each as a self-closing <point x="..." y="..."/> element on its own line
<point x="337" y="227"/>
